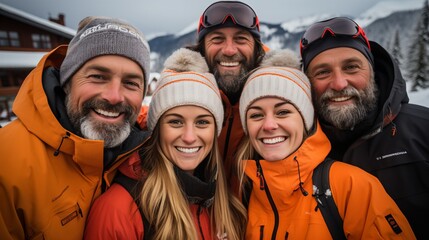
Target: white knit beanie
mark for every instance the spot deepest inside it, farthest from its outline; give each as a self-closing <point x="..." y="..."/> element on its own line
<point x="99" y="36"/>
<point x="185" y="81"/>
<point x="279" y="76"/>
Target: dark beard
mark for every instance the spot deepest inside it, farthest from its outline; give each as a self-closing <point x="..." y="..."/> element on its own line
<point x="347" y="117"/>
<point x="112" y="134"/>
<point x="231" y="83"/>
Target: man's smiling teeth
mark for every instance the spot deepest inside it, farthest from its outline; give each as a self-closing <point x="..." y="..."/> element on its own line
<point x="229" y="64"/>
<point x="273" y="140"/>
<point x="340" y="99"/>
<point x="188" y="150"/>
<point x="106" y="113"/>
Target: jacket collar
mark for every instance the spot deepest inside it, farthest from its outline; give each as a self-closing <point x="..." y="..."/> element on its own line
<point x="200" y="187"/>
<point x="286" y="173"/>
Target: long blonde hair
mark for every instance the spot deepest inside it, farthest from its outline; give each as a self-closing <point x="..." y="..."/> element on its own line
<point x="245" y="152"/>
<point x="165" y="205"/>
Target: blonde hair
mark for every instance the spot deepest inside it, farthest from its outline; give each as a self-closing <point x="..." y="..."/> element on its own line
<point x="245" y="152"/>
<point x="165" y="205"/>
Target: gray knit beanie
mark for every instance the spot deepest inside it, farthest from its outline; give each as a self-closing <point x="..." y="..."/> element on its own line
<point x="279" y="76"/>
<point x="99" y="36"/>
<point x="185" y="81"/>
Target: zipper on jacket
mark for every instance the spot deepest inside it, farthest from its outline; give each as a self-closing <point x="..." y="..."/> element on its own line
<point x="270" y="200"/>
<point x="287" y="235"/>
<point x="228" y="134"/>
<point x="199" y="210"/>
<point x="79" y="210"/>
<point x="260" y="176"/>
<point x="261" y="232"/>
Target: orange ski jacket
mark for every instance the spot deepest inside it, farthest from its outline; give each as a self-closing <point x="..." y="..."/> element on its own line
<point x="49" y="176"/>
<point x="279" y="210"/>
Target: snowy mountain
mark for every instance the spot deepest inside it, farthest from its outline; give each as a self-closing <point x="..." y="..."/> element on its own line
<point x="384" y="9"/>
<point x="380" y="23"/>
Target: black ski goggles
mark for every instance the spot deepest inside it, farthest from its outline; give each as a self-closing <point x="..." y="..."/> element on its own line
<point x="240" y="13"/>
<point x="340" y="26"/>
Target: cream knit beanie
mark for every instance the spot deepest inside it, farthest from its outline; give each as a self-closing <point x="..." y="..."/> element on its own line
<point x="185" y="81"/>
<point x="279" y="76"/>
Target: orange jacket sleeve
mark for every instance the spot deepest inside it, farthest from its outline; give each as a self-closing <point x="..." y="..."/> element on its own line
<point x="114" y="215"/>
<point x="365" y="206"/>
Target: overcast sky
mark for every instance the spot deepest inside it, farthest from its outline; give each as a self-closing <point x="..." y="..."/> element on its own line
<point x="172" y="16"/>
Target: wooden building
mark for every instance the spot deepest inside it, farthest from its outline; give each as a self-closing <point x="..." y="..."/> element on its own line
<point x="24" y="39"/>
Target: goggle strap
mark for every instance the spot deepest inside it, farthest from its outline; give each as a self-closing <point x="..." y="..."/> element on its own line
<point x="200" y="24"/>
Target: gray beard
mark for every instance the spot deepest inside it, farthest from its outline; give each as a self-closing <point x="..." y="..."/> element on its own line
<point x="112" y="134"/>
<point x="347" y="117"/>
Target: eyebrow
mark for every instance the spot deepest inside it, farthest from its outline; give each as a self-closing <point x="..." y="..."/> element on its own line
<point x="98" y="68"/>
<point x="352" y="59"/>
<point x="275" y="105"/>
<point x="107" y="70"/>
<point x="344" y="61"/>
<point x="180" y="116"/>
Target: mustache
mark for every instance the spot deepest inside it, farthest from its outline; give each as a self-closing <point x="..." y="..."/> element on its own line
<point x="235" y="58"/>
<point x="106" y="106"/>
<point x="347" y="92"/>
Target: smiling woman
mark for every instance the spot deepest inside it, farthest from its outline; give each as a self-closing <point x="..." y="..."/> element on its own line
<point x="283" y="146"/>
<point x="187" y="134"/>
<point x="182" y="190"/>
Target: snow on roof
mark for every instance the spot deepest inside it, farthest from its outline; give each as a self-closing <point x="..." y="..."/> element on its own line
<point x="38" y="20"/>
<point x="13" y="59"/>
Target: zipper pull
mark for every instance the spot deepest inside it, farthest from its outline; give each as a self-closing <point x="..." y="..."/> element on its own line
<point x="79" y="210"/>
<point x="393" y="129"/>
<point x="260" y="176"/>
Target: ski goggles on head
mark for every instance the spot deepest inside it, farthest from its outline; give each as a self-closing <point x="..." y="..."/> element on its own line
<point x="340" y="26"/>
<point x="240" y="13"/>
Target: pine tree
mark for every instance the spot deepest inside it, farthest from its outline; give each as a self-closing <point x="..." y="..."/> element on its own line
<point x="396" y="49"/>
<point x="418" y="63"/>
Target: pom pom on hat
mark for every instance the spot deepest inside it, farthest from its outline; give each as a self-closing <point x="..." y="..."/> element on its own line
<point x="185" y="60"/>
<point x="281" y="58"/>
<point x="279" y="76"/>
<point x="185" y="81"/>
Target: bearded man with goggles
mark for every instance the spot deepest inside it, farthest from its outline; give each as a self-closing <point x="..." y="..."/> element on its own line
<point x="361" y="100"/>
<point x="230" y="41"/>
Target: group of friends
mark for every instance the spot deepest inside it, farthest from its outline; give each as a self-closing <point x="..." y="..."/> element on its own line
<point x="228" y="145"/>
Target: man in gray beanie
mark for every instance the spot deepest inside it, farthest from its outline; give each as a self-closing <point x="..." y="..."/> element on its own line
<point x="76" y="114"/>
<point x="361" y="100"/>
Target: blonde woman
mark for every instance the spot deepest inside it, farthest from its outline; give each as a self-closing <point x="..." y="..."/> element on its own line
<point x="183" y="192"/>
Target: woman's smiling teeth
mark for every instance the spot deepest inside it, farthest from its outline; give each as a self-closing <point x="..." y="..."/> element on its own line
<point x="273" y="140"/>
<point x="106" y="113"/>
<point x="229" y="64"/>
<point x="188" y="150"/>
